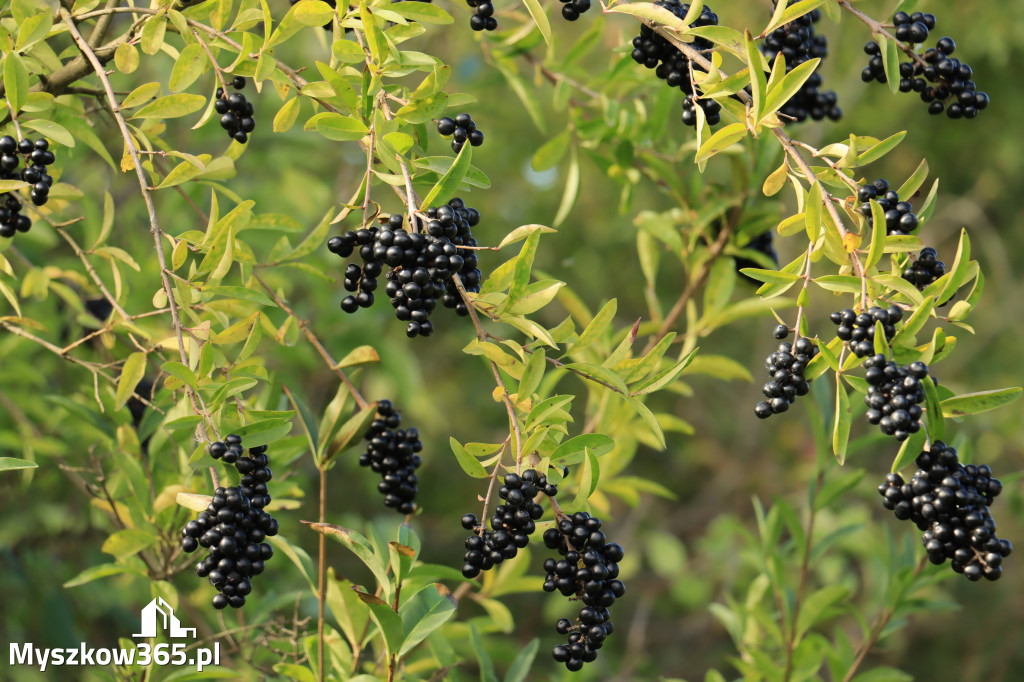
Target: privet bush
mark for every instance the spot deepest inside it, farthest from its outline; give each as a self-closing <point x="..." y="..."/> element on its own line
<point x="241" y="331"/>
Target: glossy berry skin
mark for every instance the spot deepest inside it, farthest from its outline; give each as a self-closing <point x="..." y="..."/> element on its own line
<point x="797" y="43"/>
<point x="859" y="330"/>
<point x="894" y="396"/>
<point x="950" y="503"/>
<point x="655" y="52"/>
<point x="422" y="264"/>
<point x="899" y="216"/>
<point x="925" y="269"/>
<point x="785" y="374"/>
<point x="25" y="160"/>
<point x="236" y="112"/>
<point x="942" y="83"/>
<point x="587" y="572"/>
<point x="483" y="17"/>
<point x="393" y="453"/>
<point x="234" y="525"/>
<point x="462" y="129"/>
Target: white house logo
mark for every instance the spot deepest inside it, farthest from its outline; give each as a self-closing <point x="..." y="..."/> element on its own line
<point x="157" y="617"/>
<point x="159" y="610"/>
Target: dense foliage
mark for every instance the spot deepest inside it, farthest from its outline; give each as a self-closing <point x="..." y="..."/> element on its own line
<point x="663" y="228"/>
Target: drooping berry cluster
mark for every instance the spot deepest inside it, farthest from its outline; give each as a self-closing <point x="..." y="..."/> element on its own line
<point x="572" y="9"/>
<point x="950" y="503"/>
<point x="392" y="453"/>
<point x="37" y="157"/>
<point x="588" y="571"/>
<point x="899" y="215"/>
<point x="786" y="374"/>
<point x="670" y="65"/>
<point x="950" y="78"/>
<point x="797" y="43"/>
<point x="483" y="19"/>
<point x="236" y="112"/>
<point x="462" y="129"/>
<point x="894" y="395"/>
<point x="422" y="266"/>
<point x="234" y="525"/>
<point x="511" y="526"/>
<point x="925" y="269"/>
<point x="859" y="330"/>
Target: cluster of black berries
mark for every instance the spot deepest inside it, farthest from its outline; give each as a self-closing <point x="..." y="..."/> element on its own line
<point x="588" y="571"/>
<point x="899" y="215"/>
<point x="786" y="374"/>
<point x="572" y="9"/>
<point x="236" y="112"/>
<point x="894" y="395"/>
<point x="670" y="65"/>
<point x="950" y="503"/>
<point x="797" y="43"/>
<point x="37" y="157"/>
<point x="859" y="330"/>
<point x="950" y="77"/>
<point x="483" y="19"/>
<point x="392" y="454"/>
<point x="422" y="265"/>
<point x="234" y="525"/>
<point x="511" y="526"/>
<point x="925" y="270"/>
<point x="462" y="129"/>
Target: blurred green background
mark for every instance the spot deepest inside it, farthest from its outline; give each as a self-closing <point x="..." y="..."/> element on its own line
<point x="684" y="553"/>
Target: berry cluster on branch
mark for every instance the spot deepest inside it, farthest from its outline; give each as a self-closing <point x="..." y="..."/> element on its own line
<point x="894" y="395"/>
<point x="786" y="374"/>
<point x="859" y="330"/>
<point x="483" y="18"/>
<point x="236" y="112"/>
<point x="422" y="266"/>
<point x="925" y="269"/>
<point x="943" y="82"/>
<point x="950" y="503"/>
<point x="463" y="129"/>
<point x="393" y="453"/>
<point x="797" y="43"/>
<point x="36" y="156"/>
<point x="588" y="571"/>
<point x="899" y="215"/>
<point x="234" y="525"/>
<point x="670" y="65"/>
<point x="511" y="526"/>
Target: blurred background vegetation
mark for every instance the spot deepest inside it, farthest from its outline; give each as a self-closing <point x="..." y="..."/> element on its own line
<point x="683" y="553"/>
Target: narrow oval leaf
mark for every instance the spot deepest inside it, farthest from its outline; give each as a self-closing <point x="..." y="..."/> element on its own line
<point x="131" y="374"/>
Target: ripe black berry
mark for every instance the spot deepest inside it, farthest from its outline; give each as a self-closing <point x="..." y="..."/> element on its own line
<point x="786" y="368"/>
<point x="899" y="216"/>
<point x="236" y="112"/>
<point x="588" y="571"/>
<point x="925" y="269"/>
<point x="392" y="453"/>
<point x="950" y="503"/>
<point x="422" y="264"/>
<point x="797" y="43"/>
<point x="483" y="19"/>
<point x="36" y="158"/>
<point x="859" y="330"/>
<point x="943" y="82"/>
<point x="894" y="395"/>
<point x="234" y="525"/>
<point x="511" y="525"/>
<point x="670" y="65"/>
<point x="463" y="129"/>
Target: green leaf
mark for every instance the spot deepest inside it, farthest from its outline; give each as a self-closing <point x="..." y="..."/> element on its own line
<point x="425" y="612"/>
<point x="789" y="86"/>
<point x="976" y="403"/>
<point x="879" y="150"/>
<point x="936" y="423"/>
<point x="389" y="622"/>
<point x="520" y="668"/>
<point x="533" y="373"/>
<point x="784" y="14"/>
<point x="188" y="67"/>
<point x="572" y="450"/>
<point x="265" y="431"/>
<point x="354" y="428"/>
<point x="449" y="183"/>
<point x="309" y="425"/>
<point x="596" y="328"/>
<point x="180" y="372"/>
<point x="843" y="419"/>
<point x="571" y="191"/>
<point x="363" y="550"/>
<point x="524" y="266"/>
<point x="815" y="606"/>
<point x="101" y="571"/>
<point x="540" y="18"/>
<point x="54" y="131"/>
<point x="914" y="182"/>
<point x="424" y="13"/>
<point x="552" y="151"/>
<point x="127" y="542"/>
<point x="770" y="276"/>
<point x="172" y="106"/>
<point x="469" y="464"/>
<point x="725" y="137"/>
<point x="152" y="38"/>
<point x="891" y="61"/>
<point x="313" y="13"/>
<point x="15" y="81"/>
<point x="589" y="478"/>
<point x="648" y="418"/>
<point x="334" y="126"/>
<point x="126" y="58"/>
<point x="908" y="450"/>
<point x="131" y="374"/>
<point x="758" y="81"/>
<point x="12" y="463"/>
<point x="285" y="117"/>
